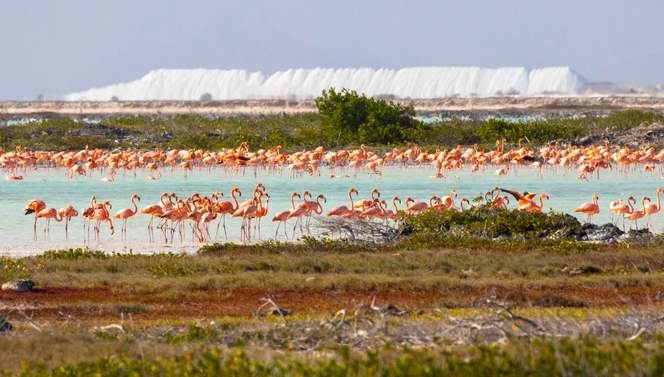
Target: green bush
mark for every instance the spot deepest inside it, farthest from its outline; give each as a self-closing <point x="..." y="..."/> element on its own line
<point x="490" y="222"/>
<point x="12" y="269"/>
<point x="536" y="131"/>
<point x="352" y="118"/>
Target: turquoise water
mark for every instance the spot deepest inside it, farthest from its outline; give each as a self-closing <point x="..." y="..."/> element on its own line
<point x="16" y="230"/>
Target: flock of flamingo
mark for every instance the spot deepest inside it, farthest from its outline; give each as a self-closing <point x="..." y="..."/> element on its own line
<point x="173" y="212"/>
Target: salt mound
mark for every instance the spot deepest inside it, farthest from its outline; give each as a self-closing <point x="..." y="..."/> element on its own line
<point x="420" y="82"/>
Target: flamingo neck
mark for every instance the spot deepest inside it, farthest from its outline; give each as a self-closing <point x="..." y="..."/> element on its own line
<point x="233" y="196"/>
<point x="135" y="208"/>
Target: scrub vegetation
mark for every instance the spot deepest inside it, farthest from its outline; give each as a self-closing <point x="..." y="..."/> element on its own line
<point x="426" y="303"/>
<point x="345" y="120"/>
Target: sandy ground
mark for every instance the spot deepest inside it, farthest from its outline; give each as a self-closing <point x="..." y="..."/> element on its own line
<point x="19" y="109"/>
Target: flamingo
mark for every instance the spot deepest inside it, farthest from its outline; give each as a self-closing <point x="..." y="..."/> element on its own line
<point x="150" y="178"/>
<point x="416" y="206"/>
<point x="102" y="215"/>
<point x="373" y="211"/>
<point x="34" y="206"/>
<point x="651" y="209"/>
<point x="282" y="216"/>
<point x="262" y="214"/>
<point x="247" y="213"/>
<point x="461" y="203"/>
<point x="48" y="214"/>
<point x="209" y="216"/>
<point x="342" y="210"/>
<point x="312" y="206"/>
<point x="622" y="209"/>
<point x="636" y="215"/>
<point x="112" y="179"/>
<point x="589" y="209"/>
<point x="503" y="171"/>
<point x="154" y="210"/>
<point x="448" y="201"/>
<point x="225" y="208"/>
<point x="394" y="215"/>
<point x="366" y="202"/>
<point x="532" y="207"/>
<point x="613" y="205"/>
<point x="297" y="213"/>
<point x="67" y="213"/>
<point x="126" y="213"/>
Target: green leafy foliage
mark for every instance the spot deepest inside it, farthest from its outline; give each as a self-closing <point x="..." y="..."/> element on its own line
<point x="535" y="131"/>
<point x="352" y="118"/>
<point x="345" y="120"/>
<point x="12" y="269"/>
<point x="485" y="221"/>
<point x="73" y="254"/>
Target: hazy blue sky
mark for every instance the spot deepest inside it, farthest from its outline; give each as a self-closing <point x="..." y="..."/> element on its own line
<point x="56" y="47"/>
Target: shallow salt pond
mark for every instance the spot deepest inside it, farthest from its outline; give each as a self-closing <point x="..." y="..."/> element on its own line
<point x="16" y="230"/>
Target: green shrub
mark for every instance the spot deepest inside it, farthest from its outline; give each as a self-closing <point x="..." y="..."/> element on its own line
<point x="357" y="119"/>
<point x="13" y="269"/>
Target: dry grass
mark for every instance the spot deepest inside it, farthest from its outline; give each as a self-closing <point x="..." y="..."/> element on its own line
<point x="405" y="269"/>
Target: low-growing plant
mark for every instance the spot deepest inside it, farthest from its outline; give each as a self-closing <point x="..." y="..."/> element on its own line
<point x="13" y="269"/>
<point x="538" y="357"/>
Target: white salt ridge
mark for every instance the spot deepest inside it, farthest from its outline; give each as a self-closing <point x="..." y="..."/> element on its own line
<point x="421" y="82"/>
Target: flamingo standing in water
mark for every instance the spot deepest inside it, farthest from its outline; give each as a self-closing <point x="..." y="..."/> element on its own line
<point x="247" y="213"/>
<point x="502" y="171"/>
<point x="154" y="210"/>
<point x="589" y="209"/>
<point x="622" y="209"/>
<point x="637" y="215"/>
<point x="48" y="214"/>
<point x="342" y="210"/>
<point x="651" y="209"/>
<point x="282" y="216"/>
<point x="393" y="215"/>
<point x="224" y="208"/>
<point x="34" y="206"/>
<point x="102" y="215"/>
<point x="87" y="212"/>
<point x="210" y="216"/>
<point x="126" y="213"/>
<point x="67" y="213"/>
<point x="112" y="179"/>
<point x="366" y="202"/>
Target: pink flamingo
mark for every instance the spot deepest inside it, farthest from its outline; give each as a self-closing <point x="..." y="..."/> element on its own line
<point x="589" y="209"/>
<point x="48" y="214"/>
<point x="342" y="210"/>
<point x="126" y="213"/>
<point x="282" y="216"/>
<point x="67" y="213"/>
<point x="651" y="209"/>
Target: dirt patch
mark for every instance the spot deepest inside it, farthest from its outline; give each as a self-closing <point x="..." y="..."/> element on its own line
<point x="644" y="136"/>
<point x="88" y="304"/>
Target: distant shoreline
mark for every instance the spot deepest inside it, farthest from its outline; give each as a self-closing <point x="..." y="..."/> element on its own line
<point x="514" y="106"/>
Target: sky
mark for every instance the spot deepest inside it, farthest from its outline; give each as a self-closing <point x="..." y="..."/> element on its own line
<point x="54" y="48"/>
